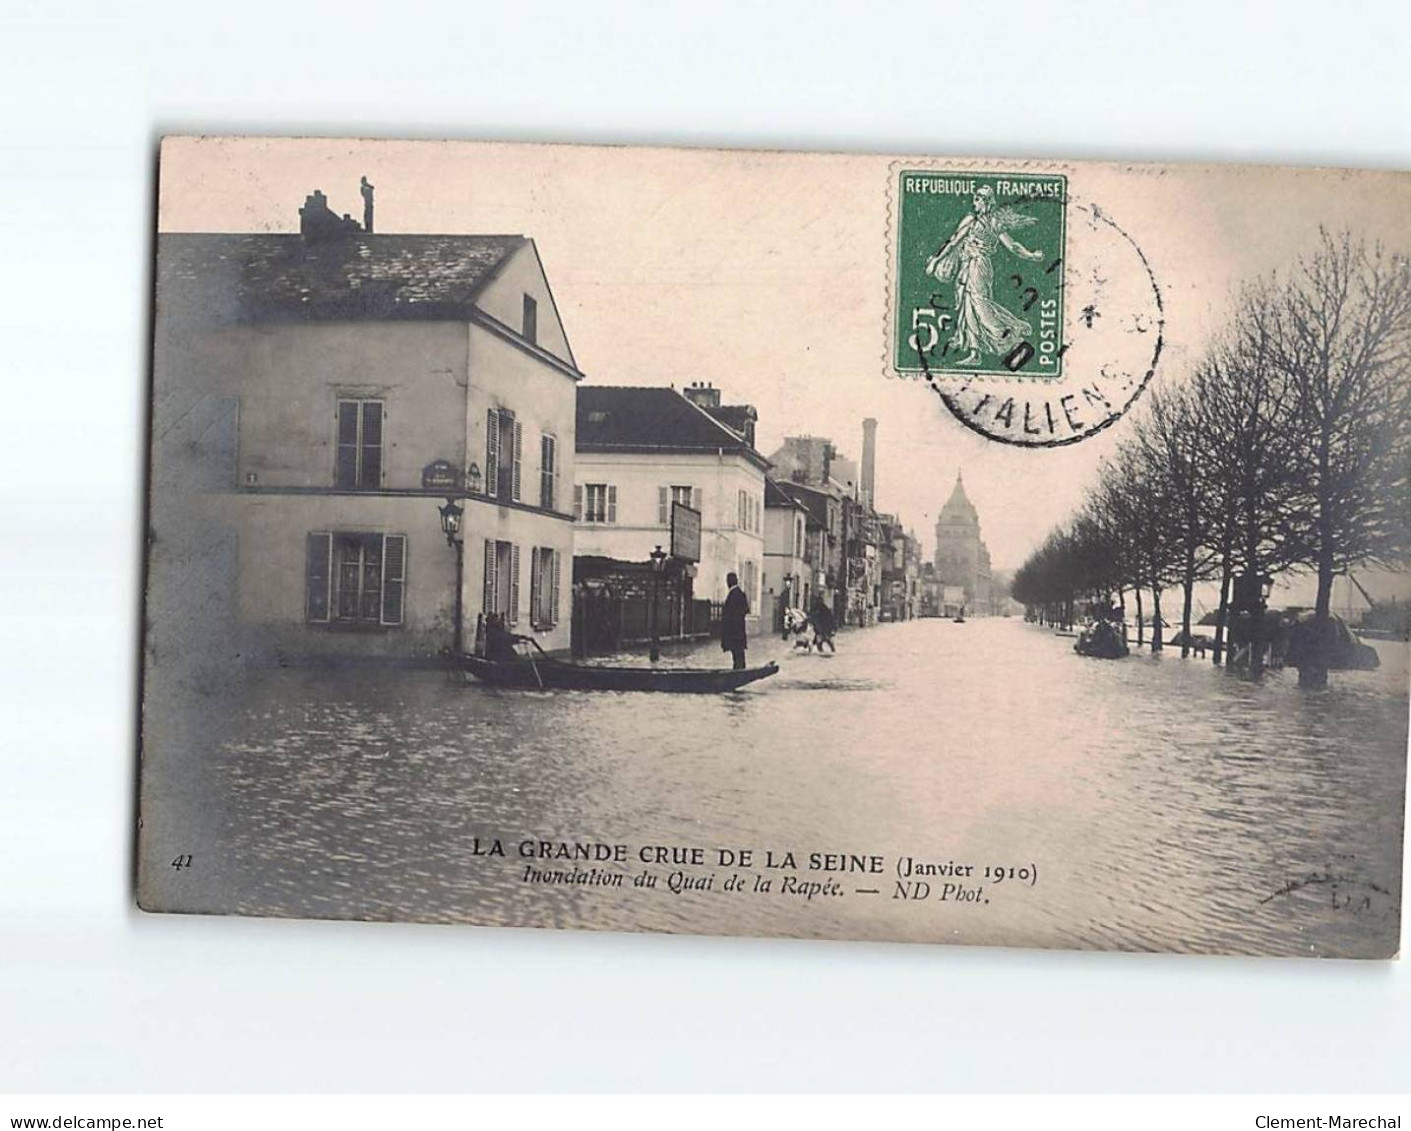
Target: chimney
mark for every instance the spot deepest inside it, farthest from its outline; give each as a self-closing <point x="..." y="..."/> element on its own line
<point x="869" y="461"/>
<point x="319" y="222"/>
<point x="702" y="394"/>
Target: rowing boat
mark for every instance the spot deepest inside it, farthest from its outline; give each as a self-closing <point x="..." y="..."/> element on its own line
<point x="543" y="673"/>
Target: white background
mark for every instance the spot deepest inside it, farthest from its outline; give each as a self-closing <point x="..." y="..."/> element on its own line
<point x="94" y="996"/>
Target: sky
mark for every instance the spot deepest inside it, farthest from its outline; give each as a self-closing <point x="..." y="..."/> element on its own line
<point x="766" y="274"/>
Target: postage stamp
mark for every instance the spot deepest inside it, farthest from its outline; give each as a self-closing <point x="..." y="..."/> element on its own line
<point x="979" y="273"/>
<point x="1029" y="311"/>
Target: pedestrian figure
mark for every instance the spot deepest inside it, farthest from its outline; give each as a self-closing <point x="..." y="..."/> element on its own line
<point x="824" y="628"/>
<point x="732" y="621"/>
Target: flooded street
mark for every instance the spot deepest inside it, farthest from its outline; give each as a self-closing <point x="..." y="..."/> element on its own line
<point x="1149" y="803"/>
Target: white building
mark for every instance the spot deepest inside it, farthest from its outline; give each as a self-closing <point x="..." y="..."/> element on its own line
<point x="317" y="396"/>
<point x="640" y="449"/>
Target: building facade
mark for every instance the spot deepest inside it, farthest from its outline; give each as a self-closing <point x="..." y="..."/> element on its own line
<point x="317" y="398"/>
<point x="788" y="580"/>
<point x="639" y="450"/>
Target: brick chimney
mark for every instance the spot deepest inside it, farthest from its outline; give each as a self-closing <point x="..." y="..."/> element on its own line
<point x="702" y="394"/>
<point x="869" y="461"/>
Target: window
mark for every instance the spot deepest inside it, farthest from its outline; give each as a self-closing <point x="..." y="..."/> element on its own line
<point x="544" y="587"/>
<point x="749" y="513"/>
<point x="501" y="593"/>
<point x="668" y="495"/>
<point x="531" y="320"/>
<point x="359" y="460"/>
<point x="798" y="535"/>
<point x="595" y="502"/>
<point x="548" y="472"/>
<point x="503" y="448"/>
<point x="749" y="580"/>
<point x="356" y="579"/>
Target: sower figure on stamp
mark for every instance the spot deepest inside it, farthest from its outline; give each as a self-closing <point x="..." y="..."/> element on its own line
<point x="732" y="621"/>
<point x="981" y="324"/>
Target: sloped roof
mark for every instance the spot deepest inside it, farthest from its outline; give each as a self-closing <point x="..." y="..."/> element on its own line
<point x="775" y="497"/>
<point x="735" y="416"/>
<point x="620" y="418"/>
<point x="812" y="499"/>
<point x="273" y="277"/>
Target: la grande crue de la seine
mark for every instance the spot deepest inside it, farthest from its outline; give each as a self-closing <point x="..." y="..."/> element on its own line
<point x="683" y="855"/>
<point x="907" y="869"/>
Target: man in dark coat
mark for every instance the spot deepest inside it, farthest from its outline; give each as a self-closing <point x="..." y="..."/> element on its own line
<point x="732" y="621"/>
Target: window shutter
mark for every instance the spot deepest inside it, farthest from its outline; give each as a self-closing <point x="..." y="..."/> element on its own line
<point x="554" y="567"/>
<point x="394" y="576"/>
<point x="515" y="458"/>
<point x="612" y="502"/>
<point x="536" y="612"/>
<point x="345" y="472"/>
<point x="370" y="469"/>
<point x="663" y="505"/>
<point x="492" y="452"/>
<point x="489" y="602"/>
<point x="577" y="503"/>
<point x="514" y="584"/>
<point x="695" y="498"/>
<point x="554" y="478"/>
<point x="320" y="552"/>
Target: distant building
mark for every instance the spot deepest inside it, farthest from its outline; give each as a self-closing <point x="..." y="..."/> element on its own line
<point x="641" y="449"/>
<point x="962" y="559"/>
<point x="317" y="396"/>
<point x="788" y="568"/>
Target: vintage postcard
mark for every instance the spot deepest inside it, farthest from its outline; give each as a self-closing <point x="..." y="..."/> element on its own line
<point x="780" y="544"/>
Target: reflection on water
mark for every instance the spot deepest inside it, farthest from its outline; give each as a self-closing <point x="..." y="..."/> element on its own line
<point x="1165" y="804"/>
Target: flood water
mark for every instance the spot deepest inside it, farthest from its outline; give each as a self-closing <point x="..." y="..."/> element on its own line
<point x="1148" y="803"/>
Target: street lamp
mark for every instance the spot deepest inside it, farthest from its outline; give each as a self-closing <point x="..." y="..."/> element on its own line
<point x="451" y="515"/>
<point x="658" y="557"/>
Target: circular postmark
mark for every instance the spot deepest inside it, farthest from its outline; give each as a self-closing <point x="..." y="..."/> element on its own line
<point x="1032" y="314"/>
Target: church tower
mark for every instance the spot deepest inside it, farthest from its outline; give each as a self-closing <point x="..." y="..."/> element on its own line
<point x="962" y="559"/>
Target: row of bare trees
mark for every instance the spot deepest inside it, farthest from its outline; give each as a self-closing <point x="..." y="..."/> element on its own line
<point x="1286" y="449"/>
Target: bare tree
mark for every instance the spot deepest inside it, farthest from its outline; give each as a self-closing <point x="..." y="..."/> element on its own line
<point x="1340" y="333"/>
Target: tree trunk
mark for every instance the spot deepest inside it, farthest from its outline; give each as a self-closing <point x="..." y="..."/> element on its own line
<point x="1313" y="672"/>
<point x="1187" y="596"/>
<point x="1158" y="623"/>
<point x="1141" y="624"/>
<point x="1226" y="571"/>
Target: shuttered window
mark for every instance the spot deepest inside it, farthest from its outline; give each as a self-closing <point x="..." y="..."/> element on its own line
<point x="517" y="438"/>
<point x="501" y="592"/>
<point x="544" y="587"/>
<point x="355" y="579"/>
<point x="548" y="471"/>
<point x="492" y="452"/>
<point x="504" y="441"/>
<point x="599" y="502"/>
<point x="686" y="496"/>
<point x="359" y="461"/>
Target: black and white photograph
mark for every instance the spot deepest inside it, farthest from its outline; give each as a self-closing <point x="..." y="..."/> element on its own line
<point x="507" y="567"/>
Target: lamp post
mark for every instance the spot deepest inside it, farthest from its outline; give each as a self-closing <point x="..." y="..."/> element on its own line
<point x="658" y="557"/>
<point x="452" y="515"/>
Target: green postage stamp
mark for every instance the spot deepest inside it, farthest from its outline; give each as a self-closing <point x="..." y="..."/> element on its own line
<point x="979" y="273"/>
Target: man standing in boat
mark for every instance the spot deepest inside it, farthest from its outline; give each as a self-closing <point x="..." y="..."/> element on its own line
<point x="732" y="621"/>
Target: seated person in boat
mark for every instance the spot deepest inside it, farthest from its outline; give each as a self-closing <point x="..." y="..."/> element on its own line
<point x="499" y="641"/>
